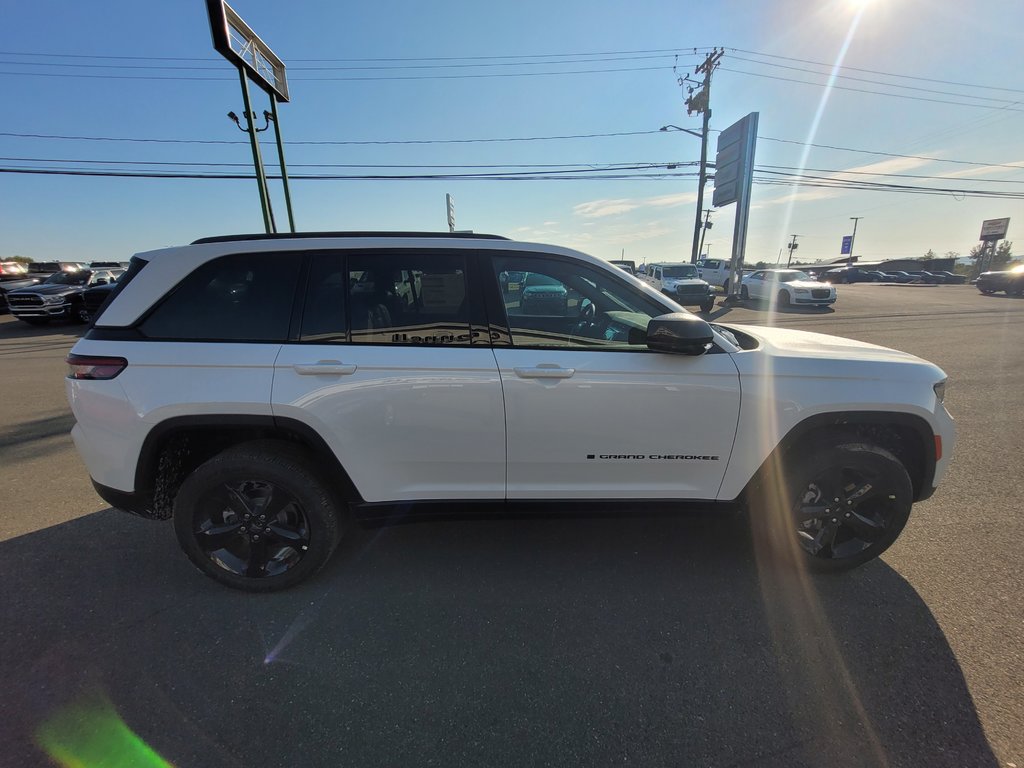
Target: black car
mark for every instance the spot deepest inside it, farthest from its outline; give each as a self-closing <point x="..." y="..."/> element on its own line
<point x="59" y="297"/>
<point x="13" y="283"/>
<point x="846" y="275"/>
<point x="1011" y="281"/>
<point x="94" y="297"/>
<point x="902" y="277"/>
<point x="949" y="278"/>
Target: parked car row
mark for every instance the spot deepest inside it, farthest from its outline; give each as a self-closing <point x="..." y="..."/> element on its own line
<point x="860" y="275"/>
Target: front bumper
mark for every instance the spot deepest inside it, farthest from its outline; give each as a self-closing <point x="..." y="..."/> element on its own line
<point x="813" y="301"/>
<point x="45" y="310"/>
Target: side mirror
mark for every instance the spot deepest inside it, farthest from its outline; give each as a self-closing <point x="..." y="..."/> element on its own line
<point x="680" y="333"/>
<point x="100" y="281"/>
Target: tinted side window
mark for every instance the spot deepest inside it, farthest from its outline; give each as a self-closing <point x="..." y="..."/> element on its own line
<point x="569" y="304"/>
<point x="413" y="298"/>
<point x="323" y="317"/>
<point x="242" y="297"/>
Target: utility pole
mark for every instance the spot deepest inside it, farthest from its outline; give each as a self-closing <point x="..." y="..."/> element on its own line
<point x="853" y="239"/>
<point x="700" y="102"/>
<point x="792" y="247"/>
<point x="707" y="226"/>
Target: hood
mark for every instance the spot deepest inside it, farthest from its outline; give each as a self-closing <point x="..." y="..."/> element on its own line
<point x="50" y="289"/>
<point x="805" y="345"/>
<point x="808" y="284"/>
<point x="684" y="281"/>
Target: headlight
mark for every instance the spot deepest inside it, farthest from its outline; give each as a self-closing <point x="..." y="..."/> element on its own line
<point x="940" y="390"/>
<point x="803" y="291"/>
<point x="53" y="299"/>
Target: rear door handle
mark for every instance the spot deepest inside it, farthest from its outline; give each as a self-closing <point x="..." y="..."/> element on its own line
<point x="545" y="371"/>
<point x="324" y="367"/>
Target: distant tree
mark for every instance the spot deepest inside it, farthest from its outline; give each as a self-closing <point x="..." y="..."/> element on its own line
<point x="20" y="259"/>
<point x="953" y="254"/>
<point x="1001" y="257"/>
<point x="931" y="255"/>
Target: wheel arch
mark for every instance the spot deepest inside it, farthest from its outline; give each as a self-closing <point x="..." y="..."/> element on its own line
<point x="176" y="446"/>
<point x="907" y="436"/>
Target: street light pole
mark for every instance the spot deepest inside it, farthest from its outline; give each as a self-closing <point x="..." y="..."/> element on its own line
<point x="853" y="239"/>
<point x="707" y="226"/>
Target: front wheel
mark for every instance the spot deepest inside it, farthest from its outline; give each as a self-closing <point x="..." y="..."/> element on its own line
<point x="707" y="306"/>
<point x="839" y="506"/>
<point x="744" y="293"/>
<point x="782" y="300"/>
<point x="257" y="517"/>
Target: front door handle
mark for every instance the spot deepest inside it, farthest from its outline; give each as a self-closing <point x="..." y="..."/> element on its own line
<point x="545" y="371"/>
<point x="324" y="367"/>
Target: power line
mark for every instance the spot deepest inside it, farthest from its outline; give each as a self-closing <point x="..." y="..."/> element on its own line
<point x="865" y="90"/>
<point x="665" y="51"/>
<point x="873" y="82"/>
<point x="400" y="142"/>
<point x="377" y="67"/>
<point x="877" y="72"/>
<point x="390" y="78"/>
<point x="368" y="142"/>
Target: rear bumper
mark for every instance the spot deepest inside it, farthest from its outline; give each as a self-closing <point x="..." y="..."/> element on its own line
<point x="127" y="501"/>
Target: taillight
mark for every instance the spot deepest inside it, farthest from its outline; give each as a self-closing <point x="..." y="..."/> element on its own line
<point x="94" y="368"/>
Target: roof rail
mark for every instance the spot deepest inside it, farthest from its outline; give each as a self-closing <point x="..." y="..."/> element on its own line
<point x="300" y="235"/>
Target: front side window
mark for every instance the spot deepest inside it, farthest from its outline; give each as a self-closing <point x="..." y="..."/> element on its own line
<point x="242" y="297"/>
<point x="414" y="298"/>
<point x="570" y="304"/>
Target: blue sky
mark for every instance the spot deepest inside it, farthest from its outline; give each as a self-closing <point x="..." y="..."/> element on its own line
<point x="940" y="42"/>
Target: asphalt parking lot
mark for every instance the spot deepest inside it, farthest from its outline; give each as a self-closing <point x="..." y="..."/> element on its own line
<point x="652" y="641"/>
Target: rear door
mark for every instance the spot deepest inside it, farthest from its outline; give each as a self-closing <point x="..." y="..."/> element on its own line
<point x="390" y="363"/>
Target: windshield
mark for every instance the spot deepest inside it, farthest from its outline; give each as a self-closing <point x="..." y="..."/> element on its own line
<point x="789" y="277"/>
<point x="680" y="271"/>
<point x="68" y="278"/>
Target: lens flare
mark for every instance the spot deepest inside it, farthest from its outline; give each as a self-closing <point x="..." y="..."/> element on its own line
<point x="90" y="735"/>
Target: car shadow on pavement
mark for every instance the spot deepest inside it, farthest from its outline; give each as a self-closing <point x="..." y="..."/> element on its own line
<point x="653" y="641"/>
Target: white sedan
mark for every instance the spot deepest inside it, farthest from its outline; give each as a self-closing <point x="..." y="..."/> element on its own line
<point x="786" y="287"/>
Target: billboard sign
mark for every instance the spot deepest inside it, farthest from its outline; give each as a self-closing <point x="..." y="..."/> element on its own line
<point x="994" y="229"/>
<point x="734" y="160"/>
<point x="847" y="245"/>
<point x="235" y="41"/>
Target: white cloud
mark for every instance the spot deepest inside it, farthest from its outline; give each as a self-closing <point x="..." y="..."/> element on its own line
<point x="983" y="170"/>
<point x="600" y="208"/>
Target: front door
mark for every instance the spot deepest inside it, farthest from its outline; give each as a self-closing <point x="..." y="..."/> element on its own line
<point x="590" y="412"/>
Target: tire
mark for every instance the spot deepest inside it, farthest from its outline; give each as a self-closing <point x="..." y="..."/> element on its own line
<point x="802" y="521"/>
<point x="782" y="300"/>
<point x="79" y="313"/>
<point x="725" y="287"/>
<point x="707" y="306"/>
<point x="301" y="531"/>
<point x="986" y="291"/>
<point x="744" y="293"/>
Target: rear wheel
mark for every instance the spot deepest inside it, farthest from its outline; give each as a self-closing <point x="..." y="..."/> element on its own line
<point x="840" y="506"/>
<point x="744" y="293"/>
<point x="257" y="517"/>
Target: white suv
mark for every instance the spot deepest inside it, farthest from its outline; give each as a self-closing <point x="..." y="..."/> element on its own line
<point x="267" y="391"/>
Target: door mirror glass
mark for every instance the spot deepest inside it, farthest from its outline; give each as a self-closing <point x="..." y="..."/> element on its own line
<point x="680" y="333"/>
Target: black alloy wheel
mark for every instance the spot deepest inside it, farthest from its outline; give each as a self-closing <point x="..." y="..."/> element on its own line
<point x="258" y="517"/>
<point x="852" y="501"/>
<point x="251" y="528"/>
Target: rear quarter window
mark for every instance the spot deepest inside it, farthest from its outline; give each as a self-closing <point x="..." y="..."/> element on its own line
<point x="241" y="297"/>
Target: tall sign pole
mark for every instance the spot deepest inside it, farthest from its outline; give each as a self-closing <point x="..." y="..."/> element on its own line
<point x="734" y="176"/>
<point x="853" y="239"/>
<point x="235" y="41"/>
<point x="449" y="205"/>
